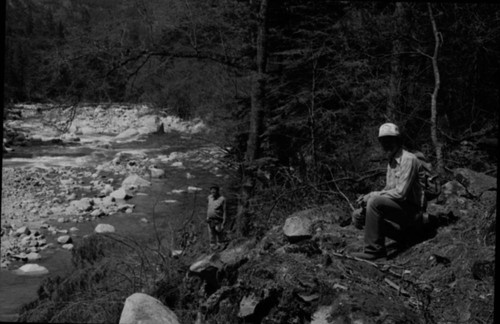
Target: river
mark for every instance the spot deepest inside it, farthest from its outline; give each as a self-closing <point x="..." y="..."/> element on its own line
<point x="195" y="172"/>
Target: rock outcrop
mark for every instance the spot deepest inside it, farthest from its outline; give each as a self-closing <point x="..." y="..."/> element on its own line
<point x="475" y="182"/>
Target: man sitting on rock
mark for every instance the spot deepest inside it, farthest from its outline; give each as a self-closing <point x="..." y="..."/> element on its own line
<point x="397" y="207"/>
<point x="216" y="217"/>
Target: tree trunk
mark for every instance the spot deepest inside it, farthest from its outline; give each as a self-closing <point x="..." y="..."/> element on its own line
<point x="437" y="144"/>
<point x="256" y="123"/>
<point x="395" y="78"/>
<point x="258" y="88"/>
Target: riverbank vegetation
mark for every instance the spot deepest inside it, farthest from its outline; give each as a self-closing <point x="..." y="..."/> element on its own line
<point x="295" y="90"/>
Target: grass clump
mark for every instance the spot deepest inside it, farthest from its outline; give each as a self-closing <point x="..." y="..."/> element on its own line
<point x="109" y="268"/>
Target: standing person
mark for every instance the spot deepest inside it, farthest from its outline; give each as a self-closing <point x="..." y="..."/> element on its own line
<point x="395" y="208"/>
<point x="216" y="217"/>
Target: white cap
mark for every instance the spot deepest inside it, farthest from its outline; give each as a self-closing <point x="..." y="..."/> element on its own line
<point x="388" y="129"/>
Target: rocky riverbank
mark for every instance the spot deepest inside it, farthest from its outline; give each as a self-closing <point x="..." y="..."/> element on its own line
<point x="58" y="188"/>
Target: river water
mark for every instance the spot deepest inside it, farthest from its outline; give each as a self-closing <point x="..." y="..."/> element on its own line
<point x="16" y="290"/>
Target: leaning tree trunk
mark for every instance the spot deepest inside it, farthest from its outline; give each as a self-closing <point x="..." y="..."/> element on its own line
<point x="437" y="82"/>
<point x="256" y="123"/>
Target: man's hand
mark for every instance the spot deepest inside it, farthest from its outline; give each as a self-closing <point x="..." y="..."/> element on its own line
<point x="364" y="199"/>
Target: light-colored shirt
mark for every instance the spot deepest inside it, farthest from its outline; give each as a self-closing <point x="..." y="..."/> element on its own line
<point x="402" y="179"/>
<point x="216" y="207"/>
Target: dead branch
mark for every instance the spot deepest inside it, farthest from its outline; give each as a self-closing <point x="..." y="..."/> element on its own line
<point x="468" y="136"/>
<point x="230" y="61"/>
<point x="372" y="173"/>
<point x="397" y="287"/>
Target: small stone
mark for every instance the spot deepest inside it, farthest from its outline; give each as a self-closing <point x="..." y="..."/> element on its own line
<point x="68" y="246"/>
<point x="178" y="165"/>
<point x="25" y="241"/>
<point x="156" y="173"/>
<point x="120" y="194"/>
<point x="177" y="253"/>
<point x="107" y="190"/>
<point x="5" y="264"/>
<point x="247" y="306"/>
<point x="321" y="315"/>
<point x="31" y="269"/>
<point x="73" y="229"/>
<point x="50" y="245"/>
<point x="193" y="189"/>
<point x="64" y="239"/>
<point x="21" y="256"/>
<point x="33" y="256"/>
<point x="104" y="228"/>
<point x="97" y="213"/>
<point x="23" y="230"/>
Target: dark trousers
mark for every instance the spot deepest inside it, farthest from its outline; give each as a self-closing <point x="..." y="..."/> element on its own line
<point x="215" y="233"/>
<point x="387" y="218"/>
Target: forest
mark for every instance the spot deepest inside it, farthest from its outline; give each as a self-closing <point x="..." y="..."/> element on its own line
<point x="295" y="89"/>
<point x="294" y="85"/>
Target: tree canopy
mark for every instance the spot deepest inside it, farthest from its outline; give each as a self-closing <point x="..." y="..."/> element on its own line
<point x="334" y="70"/>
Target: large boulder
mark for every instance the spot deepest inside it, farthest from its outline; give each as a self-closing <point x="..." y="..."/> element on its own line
<point x="134" y="181"/>
<point x="475" y="182"/>
<point x="304" y="224"/>
<point x="140" y="308"/>
<point x="31" y="269"/>
<point x="297" y="228"/>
